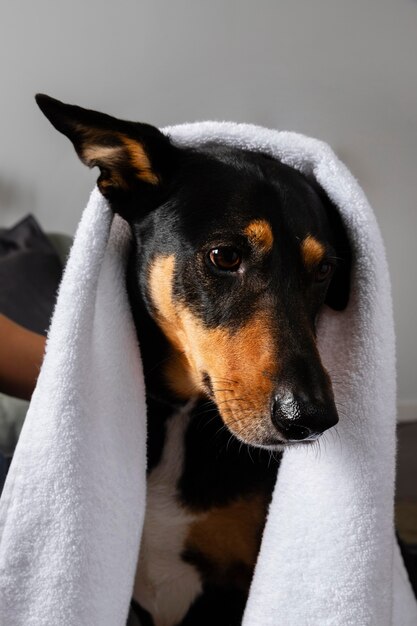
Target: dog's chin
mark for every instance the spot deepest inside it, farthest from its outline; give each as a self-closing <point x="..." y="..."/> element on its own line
<point x="276" y="445"/>
<point x="271" y="443"/>
<point x="263" y="435"/>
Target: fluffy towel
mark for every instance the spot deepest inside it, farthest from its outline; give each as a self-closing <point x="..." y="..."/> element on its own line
<point x="72" y="511"/>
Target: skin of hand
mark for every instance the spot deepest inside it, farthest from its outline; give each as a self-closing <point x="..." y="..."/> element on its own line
<point x="21" y="355"/>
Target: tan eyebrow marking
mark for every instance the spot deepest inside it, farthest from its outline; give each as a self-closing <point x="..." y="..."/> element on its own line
<point x="260" y="233"/>
<point x="312" y="251"/>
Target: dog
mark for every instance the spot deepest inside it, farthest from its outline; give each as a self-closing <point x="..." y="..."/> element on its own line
<point x="234" y="254"/>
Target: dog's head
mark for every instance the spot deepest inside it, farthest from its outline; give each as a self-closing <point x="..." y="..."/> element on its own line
<point x="237" y="254"/>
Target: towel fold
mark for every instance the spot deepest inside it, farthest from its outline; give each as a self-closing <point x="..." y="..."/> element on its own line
<point x="72" y="510"/>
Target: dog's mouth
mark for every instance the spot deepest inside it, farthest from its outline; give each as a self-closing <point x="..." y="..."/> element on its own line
<point x="278" y="444"/>
<point x="208" y="387"/>
<point x="268" y="442"/>
<point x="273" y="443"/>
<point x="249" y="426"/>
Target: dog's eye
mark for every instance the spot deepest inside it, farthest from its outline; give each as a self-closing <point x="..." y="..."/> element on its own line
<point x="226" y="258"/>
<point x="323" y="272"/>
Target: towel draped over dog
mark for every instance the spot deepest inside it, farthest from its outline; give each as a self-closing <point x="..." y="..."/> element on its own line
<point x="72" y="510"/>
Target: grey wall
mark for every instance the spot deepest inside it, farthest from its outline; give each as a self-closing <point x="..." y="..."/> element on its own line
<point x="343" y="71"/>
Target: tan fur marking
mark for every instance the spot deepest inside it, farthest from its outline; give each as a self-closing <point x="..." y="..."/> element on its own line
<point x="229" y="536"/>
<point x="177" y="369"/>
<point x="260" y="233"/>
<point x="108" y="157"/>
<point x="96" y="152"/>
<point x="140" y="161"/>
<point x="312" y="251"/>
<point x="105" y="154"/>
<point x="241" y="364"/>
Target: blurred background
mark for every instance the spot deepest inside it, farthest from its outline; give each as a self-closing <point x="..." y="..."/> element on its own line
<point x="345" y="72"/>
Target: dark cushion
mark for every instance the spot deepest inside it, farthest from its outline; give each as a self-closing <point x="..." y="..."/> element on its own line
<point x="30" y="272"/>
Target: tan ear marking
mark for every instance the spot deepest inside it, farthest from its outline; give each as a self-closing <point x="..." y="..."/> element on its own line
<point x="140" y="161"/>
<point x="114" y="157"/>
<point x="312" y="252"/>
<point x="260" y="233"/>
<point x="101" y="154"/>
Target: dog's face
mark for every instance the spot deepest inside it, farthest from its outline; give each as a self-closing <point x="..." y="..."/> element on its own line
<point x="237" y="253"/>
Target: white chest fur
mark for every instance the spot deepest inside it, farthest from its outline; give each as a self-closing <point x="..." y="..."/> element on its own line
<point x="165" y="585"/>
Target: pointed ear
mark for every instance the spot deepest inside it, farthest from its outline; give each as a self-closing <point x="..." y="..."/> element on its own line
<point x="337" y="296"/>
<point x="131" y="156"/>
<point x="338" y="293"/>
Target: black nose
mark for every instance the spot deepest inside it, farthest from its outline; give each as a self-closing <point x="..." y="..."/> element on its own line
<point x="301" y="418"/>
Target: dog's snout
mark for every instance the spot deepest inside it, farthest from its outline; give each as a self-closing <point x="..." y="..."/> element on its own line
<point x="301" y="418"/>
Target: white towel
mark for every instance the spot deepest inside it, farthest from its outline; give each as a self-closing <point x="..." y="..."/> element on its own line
<point x="72" y="510"/>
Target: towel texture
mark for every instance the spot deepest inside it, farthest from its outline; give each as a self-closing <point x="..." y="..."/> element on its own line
<point x="72" y="510"/>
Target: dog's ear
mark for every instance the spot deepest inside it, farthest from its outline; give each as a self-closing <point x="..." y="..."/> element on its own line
<point x="337" y="296"/>
<point x="131" y="156"/>
<point x="338" y="293"/>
